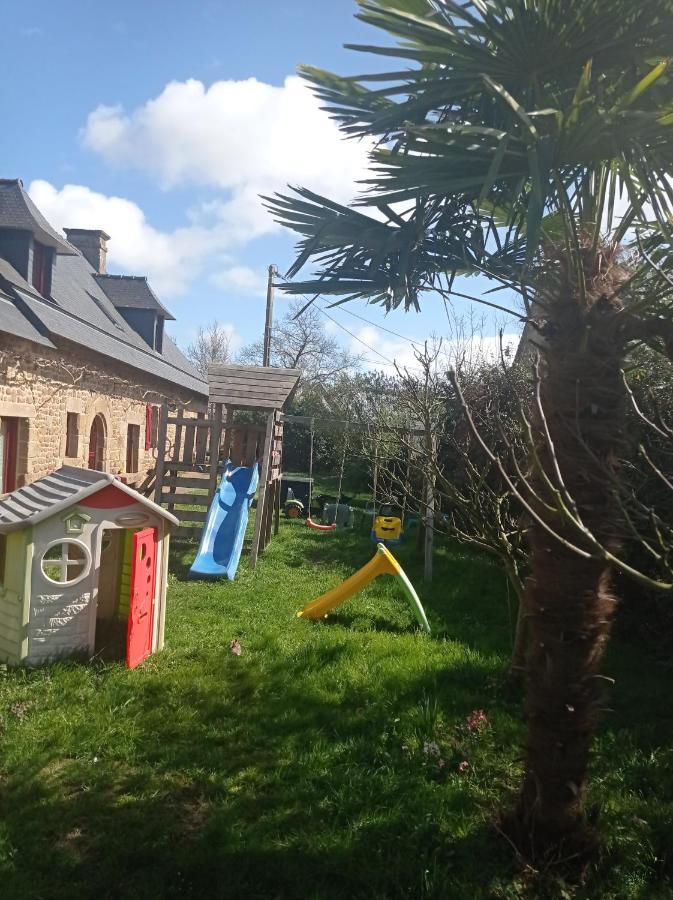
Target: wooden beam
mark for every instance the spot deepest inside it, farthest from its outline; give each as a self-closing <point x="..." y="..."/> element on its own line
<point x="276" y="510"/>
<point x="276" y="381"/>
<point x="187" y="420"/>
<point x="188" y="447"/>
<point x="244" y="390"/>
<point x="185" y="531"/>
<point x="177" y="481"/>
<point x="270" y="507"/>
<point x="191" y="515"/>
<point x="161" y="452"/>
<point x="187" y="467"/>
<point x="263" y="482"/>
<point x="239" y="402"/>
<point x="224" y="369"/>
<point x="177" y="499"/>
<point x="176" y="444"/>
<point x="215" y="438"/>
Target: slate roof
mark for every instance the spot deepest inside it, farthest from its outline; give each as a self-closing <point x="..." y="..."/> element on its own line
<point x="132" y="291"/>
<point x="18" y="211"/>
<point x="79" y="310"/>
<point x="58" y="491"/>
<point x="15" y="322"/>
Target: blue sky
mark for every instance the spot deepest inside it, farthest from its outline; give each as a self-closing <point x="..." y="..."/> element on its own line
<point x="161" y="121"/>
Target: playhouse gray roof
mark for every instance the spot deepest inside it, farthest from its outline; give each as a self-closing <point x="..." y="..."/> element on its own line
<point x="132" y="291"/>
<point x="78" y="309"/>
<point x="67" y="486"/>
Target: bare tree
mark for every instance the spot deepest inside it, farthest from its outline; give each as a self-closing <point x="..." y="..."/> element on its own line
<point x="212" y="345"/>
<point x="299" y="341"/>
<point x="440" y="469"/>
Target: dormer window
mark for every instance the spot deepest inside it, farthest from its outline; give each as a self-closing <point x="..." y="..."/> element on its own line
<point x="42" y="262"/>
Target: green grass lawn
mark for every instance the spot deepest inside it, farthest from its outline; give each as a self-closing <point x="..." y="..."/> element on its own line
<point x="325" y="761"/>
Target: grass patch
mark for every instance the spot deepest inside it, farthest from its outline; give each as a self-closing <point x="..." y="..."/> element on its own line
<point x="325" y="761"/>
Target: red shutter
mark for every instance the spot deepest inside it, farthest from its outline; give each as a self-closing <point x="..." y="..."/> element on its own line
<point x="148" y="427"/>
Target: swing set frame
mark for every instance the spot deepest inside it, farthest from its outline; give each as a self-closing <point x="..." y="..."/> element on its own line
<point x="412" y="434"/>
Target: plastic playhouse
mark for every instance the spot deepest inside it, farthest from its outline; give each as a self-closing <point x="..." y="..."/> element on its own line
<point x="83" y="570"/>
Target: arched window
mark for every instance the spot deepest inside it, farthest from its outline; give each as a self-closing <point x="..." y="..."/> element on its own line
<point x="97" y="443"/>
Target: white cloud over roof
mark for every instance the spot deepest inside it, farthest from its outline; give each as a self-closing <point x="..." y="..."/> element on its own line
<point x="238" y="138"/>
<point x="242" y="137"/>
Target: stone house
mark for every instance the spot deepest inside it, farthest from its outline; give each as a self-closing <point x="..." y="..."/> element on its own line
<point x="84" y="358"/>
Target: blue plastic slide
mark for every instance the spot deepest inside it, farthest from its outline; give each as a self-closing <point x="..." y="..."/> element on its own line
<point x="222" y="538"/>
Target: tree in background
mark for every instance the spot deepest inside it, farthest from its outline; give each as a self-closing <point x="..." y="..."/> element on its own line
<point x="212" y="345"/>
<point x="528" y="142"/>
<point x="299" y="340"/>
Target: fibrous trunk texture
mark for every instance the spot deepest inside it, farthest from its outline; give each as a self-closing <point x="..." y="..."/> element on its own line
<point x="568" y="601"/>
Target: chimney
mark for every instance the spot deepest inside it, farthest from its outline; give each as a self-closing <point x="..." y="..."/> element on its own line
<point x="92" y="244"/>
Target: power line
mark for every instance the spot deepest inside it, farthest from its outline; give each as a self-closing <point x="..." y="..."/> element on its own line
<point x="350" y="312"/>
<point x="355" y="337"/>
<point x="402" y="337"/>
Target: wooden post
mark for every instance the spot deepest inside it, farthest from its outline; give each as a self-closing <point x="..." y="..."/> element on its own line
<point x="263" y="482"/>
<point x="202" y="432"/>
<point x="215" y="437"/>
<point x="188" y="451"/>
<point x="172" y="473"/>
<point x="276" y="515"/>
<point x="161" y="452"/>
<point x="268" y="324"/>
<point x="228" y="424"/>
<point x="268" y="514"/>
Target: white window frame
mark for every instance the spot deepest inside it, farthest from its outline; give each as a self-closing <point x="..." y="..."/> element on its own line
<point x="65" y="562"/>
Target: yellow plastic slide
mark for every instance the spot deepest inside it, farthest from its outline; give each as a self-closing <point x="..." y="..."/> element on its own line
<point x="383" y="563"/>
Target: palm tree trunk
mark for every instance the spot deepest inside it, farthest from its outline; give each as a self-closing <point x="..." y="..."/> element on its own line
<point x="568" y="601"/>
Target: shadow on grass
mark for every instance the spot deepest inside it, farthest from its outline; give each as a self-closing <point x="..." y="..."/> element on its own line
<point x="264" y="784"/>
<point x="302" y="769"/>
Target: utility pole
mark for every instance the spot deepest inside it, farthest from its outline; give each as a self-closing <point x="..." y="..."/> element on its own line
<point x="266" y="356"/>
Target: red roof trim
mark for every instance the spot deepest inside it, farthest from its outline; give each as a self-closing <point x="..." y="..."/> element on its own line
<point x="109" y="498"/>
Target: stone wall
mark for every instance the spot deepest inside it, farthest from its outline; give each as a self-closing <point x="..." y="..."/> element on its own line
<point x="41" y="386"/>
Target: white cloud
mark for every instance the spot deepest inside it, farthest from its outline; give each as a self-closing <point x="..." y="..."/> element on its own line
<point x="240" y="137"/>
<point x="169" y="259"/>
<point x="381" y="351"/>
<point x="241" y="279"/>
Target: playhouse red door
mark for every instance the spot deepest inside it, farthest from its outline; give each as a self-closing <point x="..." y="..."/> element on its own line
<point x="141" y="609"/>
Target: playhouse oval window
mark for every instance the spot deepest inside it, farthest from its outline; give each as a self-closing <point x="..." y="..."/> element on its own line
<point x="65" y="562"/>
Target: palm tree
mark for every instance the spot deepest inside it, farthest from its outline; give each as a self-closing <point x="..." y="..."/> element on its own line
<point x="526" y="140"/>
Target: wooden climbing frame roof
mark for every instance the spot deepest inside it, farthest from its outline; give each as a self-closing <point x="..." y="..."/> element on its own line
<point x="252" y="387"/>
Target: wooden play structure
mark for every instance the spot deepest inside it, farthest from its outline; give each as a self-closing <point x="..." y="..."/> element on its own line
<point x="244" y="424"/>
<point x="83" y="570"/>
